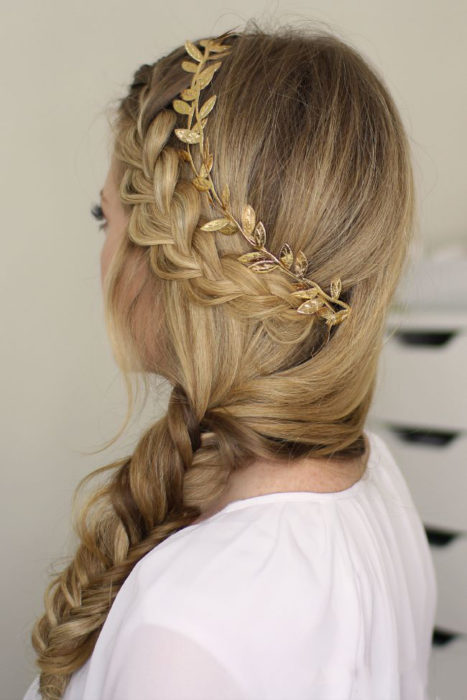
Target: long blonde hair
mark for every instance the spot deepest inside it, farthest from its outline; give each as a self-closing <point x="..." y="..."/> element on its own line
<point x="307" y="133"/>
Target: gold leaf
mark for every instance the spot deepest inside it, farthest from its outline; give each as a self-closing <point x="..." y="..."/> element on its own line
<point x="189" y="66"/>
<point x="205" y="77"/>
<point x="301" y="263"/>
<point x="310" y="306"/>
<point x="182" y="107"/>
<point x="205" y="80"/>
<point x="218" y="48"/>
<point x="259" y="234"/>
<point x="209" y="163"/>
<point x="248" y="218"/>
<point x="225" y="197"/>
<point x="257" y="262"/>
<point x="306" y="293"/>
<point x="193" y="51"/>
<point x="213" y="45"/>
<point x="329" y="315"/>
<point x="201" y="184"/>
<point x="336" y="288"/>
<point x="206" y="148"/>
<point x="188" y="135"/>
<point x="342" y="315"/>
<point x="188" y="94"/>
<point x="207" y="106"/>
<point x="263" y="266"/>
<point x="230" y="228"/>
<point x="256" y="256"/>
<point x="286" y="256"/>
<point x="215" y="224"/>
<point x="202" y="171"/>
<point x="199" y="126"/>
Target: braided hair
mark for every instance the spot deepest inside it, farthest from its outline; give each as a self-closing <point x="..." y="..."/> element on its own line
<point x="307" y="132"/>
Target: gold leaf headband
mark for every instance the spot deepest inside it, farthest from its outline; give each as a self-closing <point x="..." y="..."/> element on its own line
<point x="316" y="300"/>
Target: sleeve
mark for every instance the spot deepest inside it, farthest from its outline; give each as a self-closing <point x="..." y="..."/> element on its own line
<point x="164" y="664"/>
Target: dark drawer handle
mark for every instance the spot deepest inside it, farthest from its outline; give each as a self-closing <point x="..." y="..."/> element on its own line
<point x="427" y="436"/>
<point x="441" y="637"/>
<point x="431" y="338"/>
<point x="439" y="538"/>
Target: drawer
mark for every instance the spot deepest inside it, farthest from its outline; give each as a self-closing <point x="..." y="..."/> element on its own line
<point x="449" y="552"/>
<point x="434" y="464"/>
<point x="422" y="376"/>
<point x="447" y="672"/>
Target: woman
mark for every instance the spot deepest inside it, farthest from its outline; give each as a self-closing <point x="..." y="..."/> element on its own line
<point x="259" y="543"/>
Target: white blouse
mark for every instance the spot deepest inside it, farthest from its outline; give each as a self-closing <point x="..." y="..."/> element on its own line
<point x="284" y="596"/>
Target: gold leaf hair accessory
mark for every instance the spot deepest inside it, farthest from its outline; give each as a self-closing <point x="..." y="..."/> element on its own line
<point x="203" y="66"/>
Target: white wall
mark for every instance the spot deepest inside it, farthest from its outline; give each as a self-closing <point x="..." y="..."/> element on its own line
<point x="61" y="62"/>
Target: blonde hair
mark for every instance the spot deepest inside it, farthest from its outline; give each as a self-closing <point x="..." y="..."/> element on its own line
<point x="307" y="133"/>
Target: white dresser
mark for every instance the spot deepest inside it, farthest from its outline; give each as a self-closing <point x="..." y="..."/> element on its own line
<point x="420" y="410"/>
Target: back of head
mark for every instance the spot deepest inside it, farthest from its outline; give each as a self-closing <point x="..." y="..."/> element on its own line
<point x="305" y="131"/>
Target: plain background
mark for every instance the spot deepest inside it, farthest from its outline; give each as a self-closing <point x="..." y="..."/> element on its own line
<point x="62" y="396"/>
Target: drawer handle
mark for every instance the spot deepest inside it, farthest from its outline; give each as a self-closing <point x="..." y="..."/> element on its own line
<point x="439" y="538"/>
<point x="432" y="338"/>
<point x="441" y="637"/>
<point x="426" y="436"/>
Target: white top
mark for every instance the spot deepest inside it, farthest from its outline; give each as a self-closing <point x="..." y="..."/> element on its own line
<point x="284" y="596"/>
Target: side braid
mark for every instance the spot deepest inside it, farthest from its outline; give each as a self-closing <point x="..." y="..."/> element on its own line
<point x="131" y="514"/>
<point x="148" y="496"/>
<point x="250" y="379"/>
<point x="142" y="502"/>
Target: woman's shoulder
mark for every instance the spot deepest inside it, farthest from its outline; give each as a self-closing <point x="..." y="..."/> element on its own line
<point x="226" y="563"/>
<point x="251" y="539"/>
<point x="249" y="529"/>
<point x="211" y="579"/>
<point x="281" y="568"/>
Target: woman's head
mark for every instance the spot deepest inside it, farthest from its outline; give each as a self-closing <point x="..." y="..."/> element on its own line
<point x="306" y="132"/>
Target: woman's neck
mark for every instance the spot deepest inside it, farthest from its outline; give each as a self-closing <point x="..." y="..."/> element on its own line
<point x="316" y="475"/>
